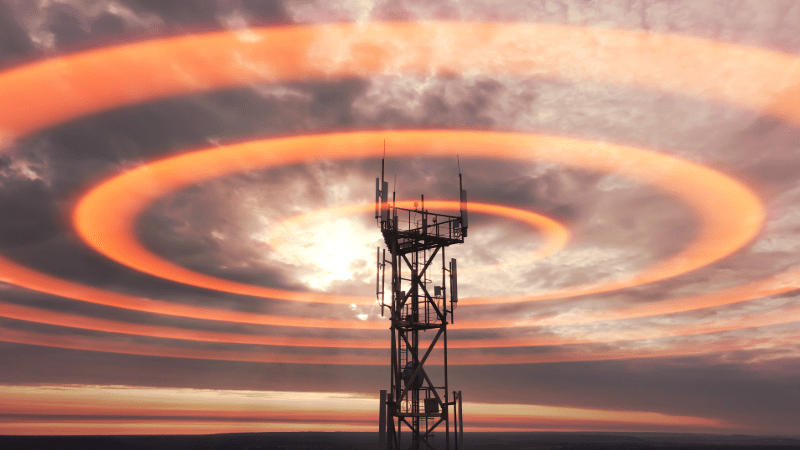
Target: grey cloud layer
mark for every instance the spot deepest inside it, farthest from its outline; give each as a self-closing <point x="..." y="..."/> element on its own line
<point x="619" y="225"/>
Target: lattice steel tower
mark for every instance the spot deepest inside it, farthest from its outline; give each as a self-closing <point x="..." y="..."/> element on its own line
<point x="416" y="405"/>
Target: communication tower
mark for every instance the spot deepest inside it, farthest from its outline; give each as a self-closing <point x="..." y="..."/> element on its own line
<point x="419" y="311"/>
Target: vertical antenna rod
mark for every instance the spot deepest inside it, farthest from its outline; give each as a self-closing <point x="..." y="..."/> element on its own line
<point x="463" y="197"/>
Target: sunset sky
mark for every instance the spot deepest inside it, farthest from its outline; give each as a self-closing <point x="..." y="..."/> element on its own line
<point x="187" y="238"/>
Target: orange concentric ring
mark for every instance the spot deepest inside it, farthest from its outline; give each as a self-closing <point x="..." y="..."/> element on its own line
<point x="730" y="214"/>
<point x="475" y="358"/>
<point x="26" y="313"/>
<point x="554" y="235"/>
<point x="59" y="89"/>
<point x="63" y="88"/>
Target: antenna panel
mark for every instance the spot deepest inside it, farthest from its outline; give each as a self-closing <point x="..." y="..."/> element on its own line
<point x="377" y="196"/>
<point x="464" y="221"/>
<point x="453" y="281"/>
<point x="378" y="276"/>
<point x="385" y="202"/>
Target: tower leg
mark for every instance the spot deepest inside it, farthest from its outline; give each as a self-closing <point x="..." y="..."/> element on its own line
<point x="455" y="419"/>
<point x="382" y="422"/>
<point x="460" y="424"/>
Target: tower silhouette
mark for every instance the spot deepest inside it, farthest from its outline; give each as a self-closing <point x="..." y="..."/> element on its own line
<point x="416" y="405"/>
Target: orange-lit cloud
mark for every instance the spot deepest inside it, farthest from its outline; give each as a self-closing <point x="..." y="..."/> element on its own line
<point x="714" y="325"/>
<point x="554" y="235"/>
<point x="71" y="86"/>
<point x="141" y="410"/>
<point x="38" y="315"/>
<point x="730" y="214"/>
<point x="464" y="352"/>
<point x="75" y="85"/>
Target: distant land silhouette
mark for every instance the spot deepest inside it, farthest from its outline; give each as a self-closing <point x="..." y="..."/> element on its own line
<point x="359" y="441"/>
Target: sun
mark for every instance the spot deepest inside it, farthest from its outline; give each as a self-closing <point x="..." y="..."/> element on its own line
<point x="326" y="249"/>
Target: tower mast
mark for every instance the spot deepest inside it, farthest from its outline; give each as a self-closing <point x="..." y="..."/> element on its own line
<point x="419" y="310"/>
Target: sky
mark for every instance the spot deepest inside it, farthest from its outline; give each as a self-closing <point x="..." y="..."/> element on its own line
<point x="187" y="238"/>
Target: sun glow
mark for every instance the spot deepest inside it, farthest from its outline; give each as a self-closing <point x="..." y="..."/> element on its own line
<point x="326" y="249"/>
<point x="71" y="86"/>
<point x="730" y="214"/>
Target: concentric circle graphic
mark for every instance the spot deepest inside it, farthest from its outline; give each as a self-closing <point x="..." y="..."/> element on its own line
<point x="106" y="221"/>
<point x="554" y="235"/>
<point x="729" y="214"/>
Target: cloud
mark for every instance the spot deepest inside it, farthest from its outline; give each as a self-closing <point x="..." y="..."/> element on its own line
<point x="224" y="227"/>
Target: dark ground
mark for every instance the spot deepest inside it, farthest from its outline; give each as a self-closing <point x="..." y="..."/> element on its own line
<point x="358" y="441"/>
